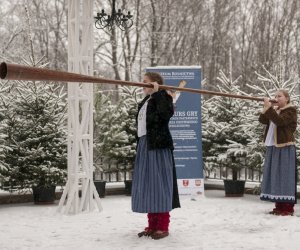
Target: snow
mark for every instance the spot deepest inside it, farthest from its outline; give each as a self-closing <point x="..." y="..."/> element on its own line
<point x="211" y="222"/>
<point x="3" y="192"/>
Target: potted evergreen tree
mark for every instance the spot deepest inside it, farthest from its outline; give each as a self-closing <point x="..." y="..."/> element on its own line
<point x="100" y="184"/>
<point x="224" y="141"/>
<point x="103" y="136"/>
<point x="236" y="158"/>
<point x="131" y="97"/>
<point x="35" y="153"/>
<point x="34" y="124"/>
<point x="115" y="128"/>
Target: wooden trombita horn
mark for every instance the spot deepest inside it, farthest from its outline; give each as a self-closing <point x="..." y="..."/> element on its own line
<point x="10" y="71"/>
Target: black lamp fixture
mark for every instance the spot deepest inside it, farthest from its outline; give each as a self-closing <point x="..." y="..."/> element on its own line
<point x="119" y="19"/>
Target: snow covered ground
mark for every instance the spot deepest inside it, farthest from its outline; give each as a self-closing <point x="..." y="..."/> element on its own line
<point x="213" y="222"/>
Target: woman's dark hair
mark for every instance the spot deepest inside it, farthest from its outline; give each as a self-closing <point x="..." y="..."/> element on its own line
<point x="155" y="77"/>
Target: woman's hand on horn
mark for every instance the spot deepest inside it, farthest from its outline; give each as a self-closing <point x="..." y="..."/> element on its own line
<point x="267" y="103"/>
<point x="155" y="86"/>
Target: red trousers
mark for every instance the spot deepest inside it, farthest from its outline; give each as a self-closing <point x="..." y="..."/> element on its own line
<point x="159" y="221"/>
<point x="284" y="207"/>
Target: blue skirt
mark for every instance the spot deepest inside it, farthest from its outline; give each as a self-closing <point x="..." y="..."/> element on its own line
<point x="279" y="176"/>
<point x="152" y="183"/>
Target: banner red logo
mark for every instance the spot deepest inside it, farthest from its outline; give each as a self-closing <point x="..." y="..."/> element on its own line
<point x="185" y="183"/>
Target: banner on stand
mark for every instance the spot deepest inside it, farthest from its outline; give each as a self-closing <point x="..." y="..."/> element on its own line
<point x="185" y="127"/>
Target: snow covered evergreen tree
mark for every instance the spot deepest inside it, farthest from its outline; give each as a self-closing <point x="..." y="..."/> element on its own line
<point x="3" y="136"/>
<point x="224" y="141"/>
<point x="34" y="124"/>
<point x="130" y="97"/>
<point x="250" y="142"/>
<point x="115" y="140"/>
<point x="36" y="135"/>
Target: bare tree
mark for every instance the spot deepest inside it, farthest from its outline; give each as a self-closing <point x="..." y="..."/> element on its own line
<point x="170" y="32"/>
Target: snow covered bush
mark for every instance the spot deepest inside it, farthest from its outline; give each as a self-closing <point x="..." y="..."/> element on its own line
<point x="35" y="129"/>
<point x="230" y="127"/>
<point x="115" y="140"/>
<point x="3" y="147"/>
<point x="33" y="120"/>
<point x="224" y="141"/>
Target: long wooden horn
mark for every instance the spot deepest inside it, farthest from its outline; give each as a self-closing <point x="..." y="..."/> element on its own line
<point x="19" y="72"/>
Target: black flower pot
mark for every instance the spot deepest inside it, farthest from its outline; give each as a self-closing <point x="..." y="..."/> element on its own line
<point x="234" y="188"/>
<point x="128" y="186"/>
<point x="43" y="195"/>
<point x="100" y="186"/>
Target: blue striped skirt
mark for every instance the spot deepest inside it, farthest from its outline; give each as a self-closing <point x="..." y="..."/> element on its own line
<point x="279" y="176"/>
<point x="152" y="183"/>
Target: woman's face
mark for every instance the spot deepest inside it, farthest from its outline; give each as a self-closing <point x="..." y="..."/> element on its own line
<point x="281" y="99"/>
<point x="147" y="91"/>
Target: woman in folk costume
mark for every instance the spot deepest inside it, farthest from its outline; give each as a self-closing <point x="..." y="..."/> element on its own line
<point x="280" y="172"/>
<point x="154" y="183"/>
